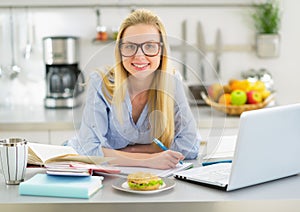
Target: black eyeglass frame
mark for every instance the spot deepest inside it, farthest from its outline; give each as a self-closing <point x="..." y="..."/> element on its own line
<point x="139" y="45"/>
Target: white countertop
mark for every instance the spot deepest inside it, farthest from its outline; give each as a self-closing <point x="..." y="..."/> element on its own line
<point x="279" y="195"/>
<point x="39" y="118"/>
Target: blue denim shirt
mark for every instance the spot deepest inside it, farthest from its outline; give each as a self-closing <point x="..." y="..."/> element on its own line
<point x="101" y="128"/>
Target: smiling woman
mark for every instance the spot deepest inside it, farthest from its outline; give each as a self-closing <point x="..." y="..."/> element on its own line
<point x="140" y="98"/>
<point x="134" y="58"/>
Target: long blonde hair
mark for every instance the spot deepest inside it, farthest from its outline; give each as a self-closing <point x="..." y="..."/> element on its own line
<point x="161" y="97"/>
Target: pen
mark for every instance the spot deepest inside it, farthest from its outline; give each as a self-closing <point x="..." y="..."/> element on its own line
<point x="214" y="162"/>
<point x="162" y="146"/>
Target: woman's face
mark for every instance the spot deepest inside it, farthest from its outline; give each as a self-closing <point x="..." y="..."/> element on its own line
<point x="139" y="65"/>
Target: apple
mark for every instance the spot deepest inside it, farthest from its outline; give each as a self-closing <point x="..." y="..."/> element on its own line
<point x="238" y="97"/>
<point x="254" y="97"/>
<point x="215" y="90"/>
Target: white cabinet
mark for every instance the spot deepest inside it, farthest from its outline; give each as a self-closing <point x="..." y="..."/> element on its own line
<point x="56" y="137"/>
<point x="33" y="136"/>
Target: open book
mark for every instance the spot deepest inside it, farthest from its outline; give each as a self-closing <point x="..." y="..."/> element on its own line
<point x="42" y="154"/>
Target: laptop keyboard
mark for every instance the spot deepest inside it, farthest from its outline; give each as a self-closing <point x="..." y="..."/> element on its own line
<point x="215" y="173"/>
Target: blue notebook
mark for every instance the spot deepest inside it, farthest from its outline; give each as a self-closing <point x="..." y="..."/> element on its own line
<point x="61" y="186"/>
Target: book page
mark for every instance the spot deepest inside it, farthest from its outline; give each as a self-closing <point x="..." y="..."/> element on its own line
<point x="80" y="158"/>
<point x="159" y="172"/>
<point x="46" y="151"/>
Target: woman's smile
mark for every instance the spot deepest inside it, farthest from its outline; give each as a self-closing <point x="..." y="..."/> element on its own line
<point x="140" y="66"/>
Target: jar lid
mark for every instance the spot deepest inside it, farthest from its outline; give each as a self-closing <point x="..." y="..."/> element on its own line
<point x="101" y="28"/>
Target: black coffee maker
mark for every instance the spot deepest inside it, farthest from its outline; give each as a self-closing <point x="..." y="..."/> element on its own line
<point x="63" y="78"/>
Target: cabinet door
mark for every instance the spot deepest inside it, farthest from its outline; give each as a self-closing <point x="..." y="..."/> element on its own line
<point x="59" y="137"/>
<point x="32" y="136"/>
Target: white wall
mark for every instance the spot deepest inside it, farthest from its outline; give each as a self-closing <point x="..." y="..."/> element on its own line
<point x="235" y="24"/>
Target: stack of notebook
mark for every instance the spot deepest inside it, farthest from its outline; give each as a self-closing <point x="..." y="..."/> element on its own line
<point x="61" y="186"/>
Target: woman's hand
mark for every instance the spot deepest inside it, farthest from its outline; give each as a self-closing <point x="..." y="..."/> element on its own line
<point x="160" y="160"/>
<point x="164" y="160"/>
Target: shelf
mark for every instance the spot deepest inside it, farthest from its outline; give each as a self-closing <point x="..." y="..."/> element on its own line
<point x="118" y="3"/>
<point x="95" y="41"/>
<point x="212" y="48"/>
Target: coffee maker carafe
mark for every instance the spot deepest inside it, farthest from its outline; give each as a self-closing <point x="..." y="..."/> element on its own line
<point x="63" y="77"/>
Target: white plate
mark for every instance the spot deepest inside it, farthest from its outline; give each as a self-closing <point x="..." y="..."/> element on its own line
<point x="122" y="185"/>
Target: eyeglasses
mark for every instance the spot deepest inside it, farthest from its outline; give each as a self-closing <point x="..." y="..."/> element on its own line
<point x="149" y="49"/>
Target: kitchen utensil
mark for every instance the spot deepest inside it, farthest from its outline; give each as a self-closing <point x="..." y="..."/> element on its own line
<point x="218" y="52"/>
<point x="29" y="36"/>
<point x="202" y="48"/>
<point x="265" y="76"/>
<point x="13" y="69"/>
<point x="250" y="75"/>
<point x="61" y="50"/>
<point x="183" y="34"/>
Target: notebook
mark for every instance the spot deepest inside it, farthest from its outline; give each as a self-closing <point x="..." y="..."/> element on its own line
<point x="61" y="186"/>
<point x="159" y="172"/>
<point x="78" y="169"/>
<point x="267" y="148"/>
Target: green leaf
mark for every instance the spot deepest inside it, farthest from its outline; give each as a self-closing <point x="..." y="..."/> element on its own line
<point x="267" y="17"/>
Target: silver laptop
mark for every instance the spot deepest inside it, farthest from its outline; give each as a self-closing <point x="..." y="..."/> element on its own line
<point x="267" y="148"/>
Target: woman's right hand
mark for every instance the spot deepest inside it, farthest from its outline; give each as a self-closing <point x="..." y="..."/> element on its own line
<point x="164" y="160"/>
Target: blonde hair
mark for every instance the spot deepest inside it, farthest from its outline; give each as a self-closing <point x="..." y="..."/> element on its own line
<point x="161" y="98"/>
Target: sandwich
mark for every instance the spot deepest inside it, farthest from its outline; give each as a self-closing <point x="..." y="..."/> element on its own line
<point x="144" y="181"/>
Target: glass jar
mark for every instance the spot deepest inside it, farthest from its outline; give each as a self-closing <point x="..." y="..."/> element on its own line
<point x="101" y="33"/>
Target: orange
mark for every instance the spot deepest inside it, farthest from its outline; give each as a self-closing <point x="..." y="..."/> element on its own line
<point x="225" y="99"/>
<point x="239" y="85"/>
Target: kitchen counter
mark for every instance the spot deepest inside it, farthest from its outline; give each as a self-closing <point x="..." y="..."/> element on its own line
<point x="279" y="195"/>
<point x="39" y="118"/>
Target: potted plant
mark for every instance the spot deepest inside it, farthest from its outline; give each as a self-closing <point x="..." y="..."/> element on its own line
<point x="267" y="19"/>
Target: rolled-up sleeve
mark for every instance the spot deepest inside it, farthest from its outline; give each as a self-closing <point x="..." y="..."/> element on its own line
<point x="94" y="124"/>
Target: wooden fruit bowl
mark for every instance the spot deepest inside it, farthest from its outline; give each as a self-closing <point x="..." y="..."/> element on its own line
<point x="236" y="109"/>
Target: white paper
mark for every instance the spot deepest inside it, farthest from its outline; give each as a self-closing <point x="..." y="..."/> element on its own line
<point x="159" y="172"/>
<point x="224" y="149"/>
